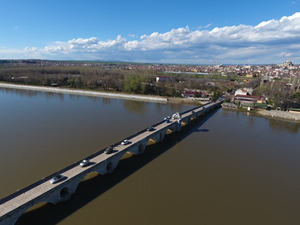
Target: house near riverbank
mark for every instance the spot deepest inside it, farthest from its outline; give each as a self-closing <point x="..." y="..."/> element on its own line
<point x="196" y="95"/>
<point x="249" y="99"/>
<point x="190" y="94"/>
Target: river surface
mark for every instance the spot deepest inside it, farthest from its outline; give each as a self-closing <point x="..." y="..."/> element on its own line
<point x="225" y="168"/>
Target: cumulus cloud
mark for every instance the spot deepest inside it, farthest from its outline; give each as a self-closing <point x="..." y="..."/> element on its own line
<point x="81" y="41"/>
<point x="264" y="43"/>
<point x="33" y="49"/>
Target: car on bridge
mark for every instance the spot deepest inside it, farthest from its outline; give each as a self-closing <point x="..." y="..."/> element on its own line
<point x="85" y="162"/>
<point x="125" y="142"/>
<point x="150" y="129"/>
<point x="109" y="150"/>
<point x="57" y="178"/>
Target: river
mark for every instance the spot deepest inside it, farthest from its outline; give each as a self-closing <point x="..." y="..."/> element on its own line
<point x="226" y="168"/>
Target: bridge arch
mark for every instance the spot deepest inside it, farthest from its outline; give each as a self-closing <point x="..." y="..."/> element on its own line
<point x="152" y="140"/>
<point x="170" y="130"/>
<point x="15" y="218"/>
<point x="186" y="120"/>
<point x="159" y="136"/>
<point x="64" y="192"/>
<point x="109" y="166"/>
<point x="90" y="175"/>
<point x="139" y="148"/>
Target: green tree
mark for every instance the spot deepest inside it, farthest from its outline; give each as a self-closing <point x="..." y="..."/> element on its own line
<point x="132" y="83"/>
<point x="216" y="94"/>
<point x="71" y="82"/>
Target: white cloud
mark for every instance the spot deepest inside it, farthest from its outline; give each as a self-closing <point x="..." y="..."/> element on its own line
<point x="81" y="41"/>
<point x="131" y="35"/>
<point x="207" y="26"/>
<point x="33" y="49"/>
<point x="266" y="41"/>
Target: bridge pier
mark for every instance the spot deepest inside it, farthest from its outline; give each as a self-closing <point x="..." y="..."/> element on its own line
<point x="177" y="126"/>
<point x="11" y="219"/>
<point x="159" y="136"/>
<point x="139" y="147"/>
<point x="60" y="195"/>
<point x="108" y="166"/>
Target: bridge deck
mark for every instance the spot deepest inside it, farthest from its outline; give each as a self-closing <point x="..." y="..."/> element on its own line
<point x="26" y="196"/>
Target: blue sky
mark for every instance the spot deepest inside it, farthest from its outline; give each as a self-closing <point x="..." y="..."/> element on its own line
<point x="191" y="31"/>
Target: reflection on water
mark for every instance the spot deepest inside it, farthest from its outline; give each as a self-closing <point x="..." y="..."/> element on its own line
<point x="105" y="101"/>
<point x="136" y="107"/>
<point x="275" y="124"/>
<point x="32" y="93"/>
<point x="280" y="125"/>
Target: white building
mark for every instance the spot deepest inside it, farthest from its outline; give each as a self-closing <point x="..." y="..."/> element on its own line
<point x="162" y="78"/>
<point x="244" y="91"/>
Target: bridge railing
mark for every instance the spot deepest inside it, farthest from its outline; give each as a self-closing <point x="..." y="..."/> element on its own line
<point x="195" y="108"/>
<point x="138" y="133"/>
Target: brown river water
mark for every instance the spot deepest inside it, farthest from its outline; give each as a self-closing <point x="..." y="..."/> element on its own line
<point x="225" y="168"/>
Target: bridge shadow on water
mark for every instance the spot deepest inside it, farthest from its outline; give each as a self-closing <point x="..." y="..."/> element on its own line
<point x="90" y="189"/>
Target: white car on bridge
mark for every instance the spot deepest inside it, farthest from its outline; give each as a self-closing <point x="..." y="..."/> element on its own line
<point x="125" y="142"/>
<point x="57" y="178"/>
<point x="85" y="162"/>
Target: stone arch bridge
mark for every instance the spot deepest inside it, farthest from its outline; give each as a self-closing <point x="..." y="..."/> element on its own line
<point x="14" y="205"/>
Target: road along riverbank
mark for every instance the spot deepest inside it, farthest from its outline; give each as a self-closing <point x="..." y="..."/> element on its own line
<point x="87" y="93"/>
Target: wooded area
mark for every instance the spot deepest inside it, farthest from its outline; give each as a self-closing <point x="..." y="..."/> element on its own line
<point x="97" y="78"/>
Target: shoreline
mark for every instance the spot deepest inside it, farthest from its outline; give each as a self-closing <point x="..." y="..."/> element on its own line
<point x="134" y="97"/>
<point x="272" y="114"/>
<point x="84" y="92"/>
<point x="282" y="115"/>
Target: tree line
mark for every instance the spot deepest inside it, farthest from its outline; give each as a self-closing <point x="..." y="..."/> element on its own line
<point x="96" y="78"/>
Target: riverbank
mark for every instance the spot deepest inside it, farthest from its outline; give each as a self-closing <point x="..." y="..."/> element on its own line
<point x="284" y="115"/>
<point x="87" y="93"/>
<point x="135" y="97"/>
